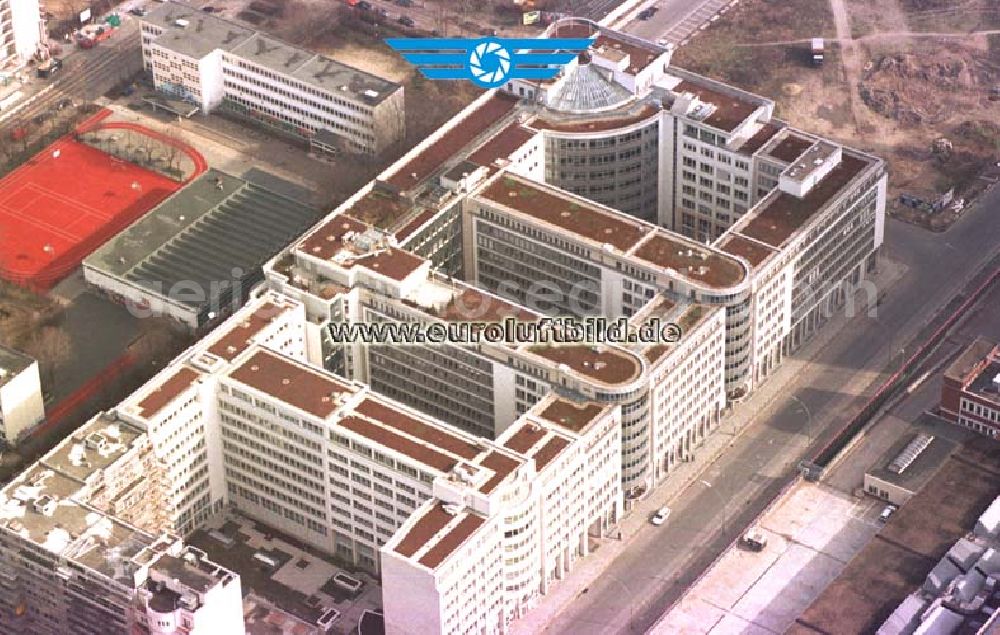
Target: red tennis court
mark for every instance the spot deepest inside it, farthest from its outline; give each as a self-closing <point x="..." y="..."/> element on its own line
<point x="64" y="203"/>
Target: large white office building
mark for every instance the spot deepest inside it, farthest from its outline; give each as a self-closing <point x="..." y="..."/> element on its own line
<point x="245" y="421"/>
<point x="215" y="63"/>
<point x="471" y="476"/>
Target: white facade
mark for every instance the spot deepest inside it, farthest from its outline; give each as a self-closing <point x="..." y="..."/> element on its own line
<point x="21" y="404"/>
<point x="21" y="31"/>
<point x="212" y="62"/>
<point x="456" y="568"/>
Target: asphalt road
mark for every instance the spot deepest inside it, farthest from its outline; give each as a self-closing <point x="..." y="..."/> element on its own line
<point x="88" y="74"/>
<point x="675" y="20"/>
<point x="660" y="562"/>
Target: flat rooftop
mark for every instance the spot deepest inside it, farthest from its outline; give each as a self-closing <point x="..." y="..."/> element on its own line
<point x="917" y="536"/>
<point x="752" y="251"/>
<point x="432" y="158"/>
<point x="694" y="262"/>
<point x="12" y="363"/>
<point x="780" y="215"/>
<point x="790" y="147"/>
<point x="393" y="416"/>
<point x="985" y="384"/>
<point x="66" y="527"/>
<point x="291" y="382"/>
<point x="730" y="111"/>
<point x="437" y="534"/>
<point x="412" y="225"/>
<point x="607" y="365"/>
<point x="687" y="316"/>
<point x="200" y="235"/>
<point x="502" y="145"/>
<point x="242" y="330"/>
<point x="759" y="139"/>
<point x="818" y="155"/>
<point x="350" y="243"/>
<point x="474" y="305"/>
<point x="641" y="53"/>
<point x="595" y="123"/>
<point x="203" y="34"/>
<point x="574" y="417"/>
<point x="921" y="469"/>
<point x="559" y="209"/>
<point x="977" y="352"/>
<point x="379" y="208"/>
<point x="542" y="443"/>
<point x="207" y="32"/>
<point x="92" y="447"/>
<point x="199" y="574"/>
<point x="164" y="393"/>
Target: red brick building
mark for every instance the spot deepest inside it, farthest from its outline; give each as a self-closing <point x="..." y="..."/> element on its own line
<point x="970" y="392"/>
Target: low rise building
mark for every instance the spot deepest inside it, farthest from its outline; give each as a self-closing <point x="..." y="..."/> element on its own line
<point x="216" y="63"/>
<point x="909" y="464"/>
<point x="970" y="389"/>
<point x="21" y="404"/>
<point x="197" y="256"/>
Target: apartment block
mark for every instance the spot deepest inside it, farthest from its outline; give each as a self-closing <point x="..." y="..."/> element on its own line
<point x="83" y="548"/>
<point x="21" y="404"/>
<point x="218" y="64"/>
<point x="21" y="31"/>
<point x="970" y="389"/>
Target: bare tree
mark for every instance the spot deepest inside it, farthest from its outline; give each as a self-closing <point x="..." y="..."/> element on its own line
<point x="52" y="347"/>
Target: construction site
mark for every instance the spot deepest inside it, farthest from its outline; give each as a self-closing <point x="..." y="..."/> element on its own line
<point x="915" y="81"/>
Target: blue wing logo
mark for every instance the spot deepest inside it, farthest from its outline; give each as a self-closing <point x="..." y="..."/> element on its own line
<point x="489" y="62"/>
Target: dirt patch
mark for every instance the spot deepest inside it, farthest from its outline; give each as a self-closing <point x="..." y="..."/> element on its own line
<point x="908" y="87"/>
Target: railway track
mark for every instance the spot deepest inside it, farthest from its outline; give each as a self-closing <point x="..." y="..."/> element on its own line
<point x="82" y="80"/>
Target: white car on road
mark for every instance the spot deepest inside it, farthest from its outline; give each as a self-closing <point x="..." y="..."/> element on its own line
<point x="661" y="516"/>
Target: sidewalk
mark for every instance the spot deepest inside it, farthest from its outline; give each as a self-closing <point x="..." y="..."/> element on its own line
<point x="741" y="418"/>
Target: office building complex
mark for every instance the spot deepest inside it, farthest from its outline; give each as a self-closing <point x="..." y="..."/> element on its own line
<point x="21" y="404"/>
<point x="215" y="63"/>
<point x="470" y="475"/>
<point x="970" y="389"/>
<point x="243" y="421"/>
<point x="796" y="222"/>
<point x="21" y="31"/>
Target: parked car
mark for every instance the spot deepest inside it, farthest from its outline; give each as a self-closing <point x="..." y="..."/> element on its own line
<point x="661" y="516"/>
<point x="754" y="539"/>
<point x="139" y="11"/>
<point x="406" y="20"/>
<point x="209" y="9"/>
<point x="382" y="12"/>
<point x="887" y="512"/>
<point x="63" y="104"/>
<point x="488" y="31"/>
<point x="405" y="3"/>
<point x="364" y="6"/>
<point x="645" y="14"/>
